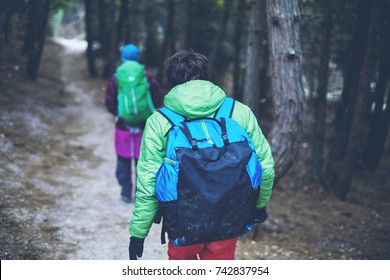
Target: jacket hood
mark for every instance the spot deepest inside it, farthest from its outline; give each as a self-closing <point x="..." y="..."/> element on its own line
<point x="194" y="99"/>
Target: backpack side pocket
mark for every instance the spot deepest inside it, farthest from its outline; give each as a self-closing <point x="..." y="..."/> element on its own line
<point x="170" y="219"/>
<point x="166" y="180"/>
<point x="254" y="170"/>
<point x="166" y="193"/>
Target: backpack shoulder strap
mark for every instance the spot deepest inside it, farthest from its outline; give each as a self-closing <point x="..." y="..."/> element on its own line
<point x="174" y="118"/>
<point x="226" y="109"/>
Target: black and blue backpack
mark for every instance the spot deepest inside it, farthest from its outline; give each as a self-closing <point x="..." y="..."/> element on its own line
<point x="209" y="181"/>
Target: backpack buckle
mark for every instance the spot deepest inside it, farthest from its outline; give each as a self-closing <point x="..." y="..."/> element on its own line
<point x="194" y="144"/>
<point x="225" y="138"/>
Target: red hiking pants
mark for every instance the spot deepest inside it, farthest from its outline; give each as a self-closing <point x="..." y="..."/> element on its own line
<point x="218" y="250"/>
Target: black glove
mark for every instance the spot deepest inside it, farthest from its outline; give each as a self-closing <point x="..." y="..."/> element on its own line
<point x="136" y="247"/>
<point x="261" y="215"/>
<point x="157" y="218"/>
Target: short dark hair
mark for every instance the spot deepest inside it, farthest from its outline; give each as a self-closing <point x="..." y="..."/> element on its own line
<point x="185" y="66"/>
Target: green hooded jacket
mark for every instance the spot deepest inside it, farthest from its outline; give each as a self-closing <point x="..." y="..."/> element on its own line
<point x="193" y="99"/>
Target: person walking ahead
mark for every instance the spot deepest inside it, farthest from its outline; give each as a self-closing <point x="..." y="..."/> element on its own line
<point x="193" y="98"/>
<point x="132" y="93"/>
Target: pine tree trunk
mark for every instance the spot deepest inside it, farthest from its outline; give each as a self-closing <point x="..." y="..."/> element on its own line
<point x="213" y="57"/>
<point x="237" y="68"/>
<point x="168" y="47"/>
<point x="380" y="121"/>
<point x="286" y="84"/>
<point x="35" y="53"/>
<point x="102" y="28"/>
<point x="320" y="102"/>
<point x="360" y="121"/>
<point x="152" y="48"/>
<point x="131" y="37"/>
<point x="30" y="35"/>
<point x="344" y="112"/>
<point x="251" y="96"/>
<point x="188" y="33"/>
<point x="122" y="27"/>
<point x="88" y="30"/>
<point x="111" y="55"/>
<point x="8" y="10"/>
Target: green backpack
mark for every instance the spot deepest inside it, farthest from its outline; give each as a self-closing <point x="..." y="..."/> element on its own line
<point x="134" y="100"/>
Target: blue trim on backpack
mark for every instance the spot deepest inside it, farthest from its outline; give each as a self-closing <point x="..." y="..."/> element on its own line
<point x="173" y="117"/>
<point x="226" y="109"/>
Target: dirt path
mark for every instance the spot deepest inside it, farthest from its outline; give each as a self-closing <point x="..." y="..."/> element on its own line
<point x="59" y="198"/>
<point x="96" y="220"/>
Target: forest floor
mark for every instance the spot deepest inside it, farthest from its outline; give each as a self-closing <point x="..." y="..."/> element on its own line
<point x="60" y="200"/>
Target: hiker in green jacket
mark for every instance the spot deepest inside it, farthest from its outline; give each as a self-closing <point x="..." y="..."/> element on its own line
<point x="191" y="96"/>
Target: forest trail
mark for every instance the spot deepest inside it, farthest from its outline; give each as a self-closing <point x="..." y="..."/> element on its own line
<point x="59" y="194"/>
<point x="93" y="217"/>
<point x="59" y="198"/>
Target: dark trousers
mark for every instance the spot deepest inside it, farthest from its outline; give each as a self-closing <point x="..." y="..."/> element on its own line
<point x="124" y="174"/>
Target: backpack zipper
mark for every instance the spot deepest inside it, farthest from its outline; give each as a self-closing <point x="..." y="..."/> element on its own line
<point x="126" y="104"/>
<point x="134" y="102"/>
<point x="169" y="160"/>
<point x="206" y="132"/>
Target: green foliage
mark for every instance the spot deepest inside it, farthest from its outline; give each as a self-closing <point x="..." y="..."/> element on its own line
<point x="57" y="5"/>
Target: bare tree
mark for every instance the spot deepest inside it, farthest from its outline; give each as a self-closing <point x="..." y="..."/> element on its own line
<point x="357" y="135"/>
<point x="168" y="46"/>
<point x="380" y="118"/>
<point x="88" y="30"/>
<point x="320" y="102"/>
<point x="213" y="57"/>
<point x="122" y="28"/>
<point x="37" y="37"/>
<point x="110" y="35"/>
<point x="352" y="72"/>
<point x="251" y="95"/>
<point x="238" y="46"/>
<point x="102" y="27"/>
<point x="286" y="85"/>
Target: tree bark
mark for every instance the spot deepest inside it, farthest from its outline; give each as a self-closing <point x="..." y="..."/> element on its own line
<point x="168" y="47"/>
<point x="286" y="82"/>
<point x="344" y="112"/>
<point x="320" y="102"/>
<point x="379" y="120"/>
<point x="213" y="57"/>
<point x="88" y="30"/>
<point x="35" y="53"/>
<point x="152" y="48"/>
<point x="251" y="95"/>
<point x="30" y="35"/>
<point x="122" y="27"/>
<point x="102" y="28"/>
<point x="111" y="52"/>
<point x="360" y="121"/>
<point x="8" y="10"/>
<point x="237" y="68"/>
